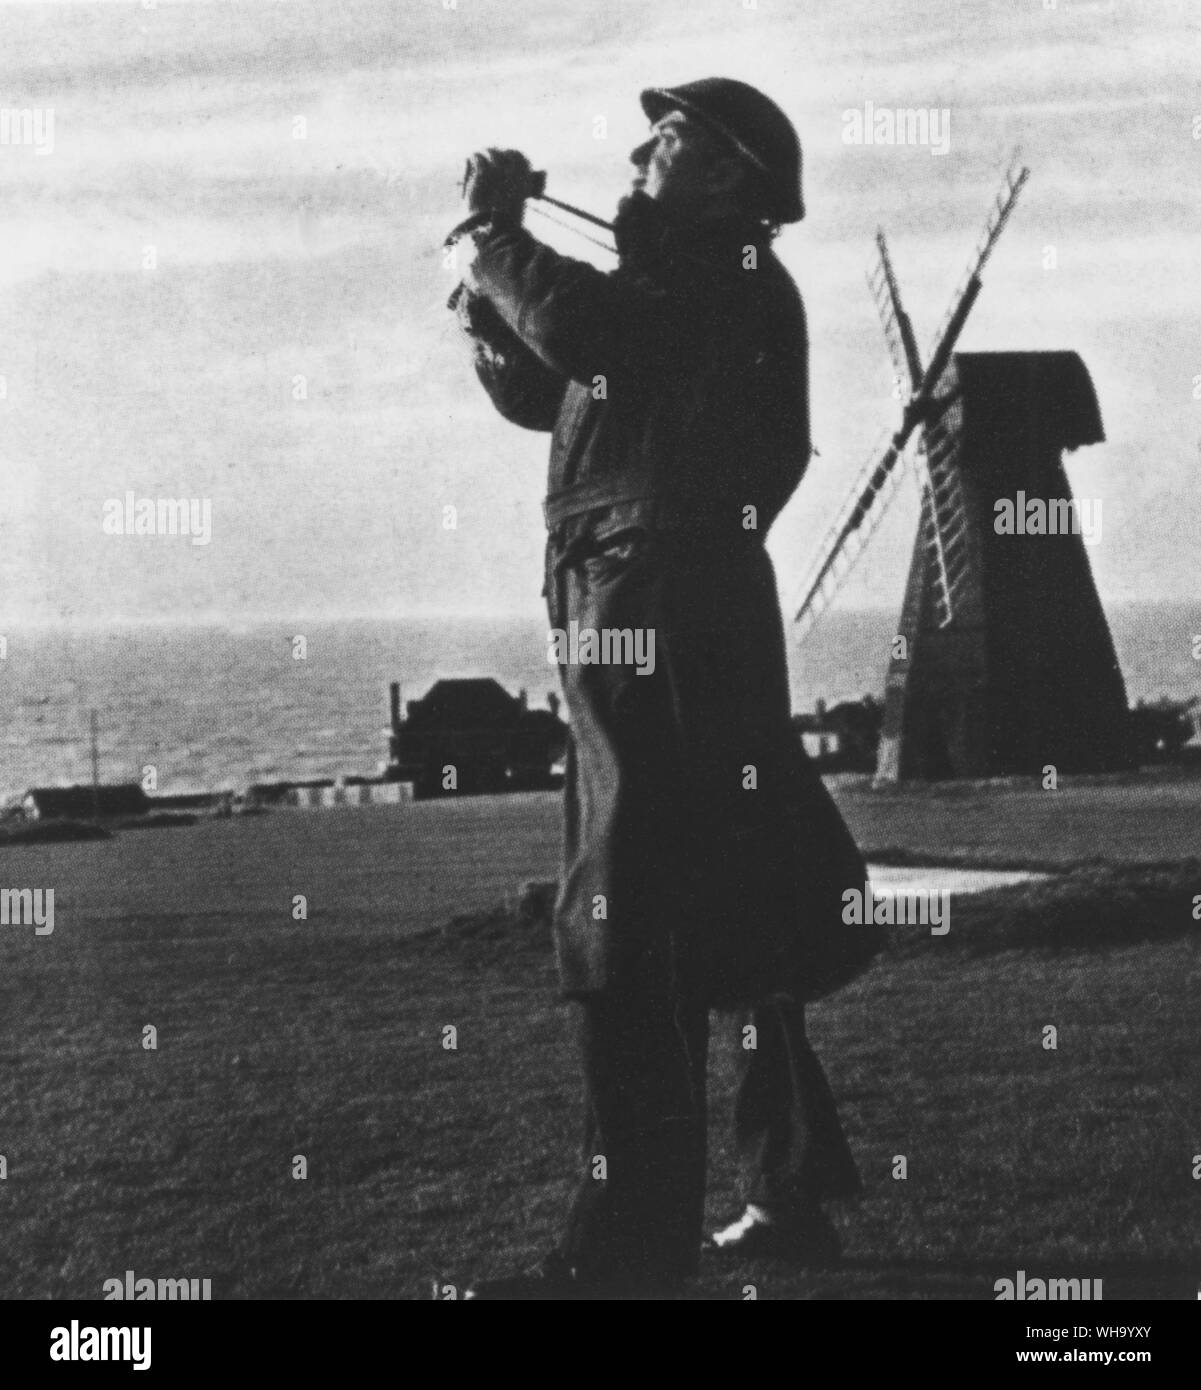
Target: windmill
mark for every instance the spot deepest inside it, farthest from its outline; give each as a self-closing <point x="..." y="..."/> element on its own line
<point x="1003" y="660"/>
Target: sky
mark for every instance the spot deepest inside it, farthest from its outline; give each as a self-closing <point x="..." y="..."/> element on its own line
<point x="222" y="277"/>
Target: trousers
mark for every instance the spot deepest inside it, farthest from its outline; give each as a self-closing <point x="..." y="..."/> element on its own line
<point x="639" y="1208"/>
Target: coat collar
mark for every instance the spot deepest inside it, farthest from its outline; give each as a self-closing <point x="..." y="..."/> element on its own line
<point x="649" y="241"/>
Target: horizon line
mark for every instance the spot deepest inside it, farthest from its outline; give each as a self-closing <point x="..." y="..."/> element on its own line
<point x="247" y="620"/>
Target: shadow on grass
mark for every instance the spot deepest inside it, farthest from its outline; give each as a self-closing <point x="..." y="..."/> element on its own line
<point x="1091" y="906"/>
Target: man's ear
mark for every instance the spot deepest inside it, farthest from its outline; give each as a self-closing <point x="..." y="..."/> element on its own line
<point x="725" y="174"/>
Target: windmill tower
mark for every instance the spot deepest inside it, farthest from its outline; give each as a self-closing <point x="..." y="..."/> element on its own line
<point x="1003" y="661"/>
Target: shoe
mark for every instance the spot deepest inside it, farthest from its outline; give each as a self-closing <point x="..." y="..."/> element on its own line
<point x="806" y="1238"/>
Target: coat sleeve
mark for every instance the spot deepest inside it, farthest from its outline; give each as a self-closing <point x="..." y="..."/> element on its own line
<point x="580" y="321"/>
<point x="765" y="384"/>
<point x="520" y="385"/>
<point x="781" y="395"/>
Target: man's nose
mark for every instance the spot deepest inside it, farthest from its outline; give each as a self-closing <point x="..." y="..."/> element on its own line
<point x="641" y="154"/>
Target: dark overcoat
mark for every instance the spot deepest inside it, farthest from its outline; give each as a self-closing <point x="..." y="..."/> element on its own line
<point x="676" y="389"/>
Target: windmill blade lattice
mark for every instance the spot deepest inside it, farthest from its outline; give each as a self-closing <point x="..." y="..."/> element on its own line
<point x="898" y="330"/>
<point x="850" y="531"/>
<point x="1002" y="208"/>
<point x="947" y="543"/>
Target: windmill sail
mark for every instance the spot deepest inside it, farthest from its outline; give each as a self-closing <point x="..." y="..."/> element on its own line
<point x="1011" y="187"/>
<point x="939" y="502"/>
<point x="851" y="530"/>
<point x="944" y="514"/>
<point x="863" y="512"/>
<point x="898" y="331"/>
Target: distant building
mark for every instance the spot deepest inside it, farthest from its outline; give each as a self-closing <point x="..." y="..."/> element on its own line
<point x="842" y="739"/>
<point x="84" y="803"/>
<point x="1007" y="662"/>
<point x="821" y="745"/>
<point x="492" y="740"/>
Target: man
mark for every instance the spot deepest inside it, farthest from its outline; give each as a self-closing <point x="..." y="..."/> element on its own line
<point x="704" y="862"/>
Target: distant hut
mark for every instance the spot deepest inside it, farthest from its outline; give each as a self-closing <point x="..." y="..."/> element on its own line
<point x="84" y="803"/>
<point x="842" y="739"/>
<point x="491" y="740"/>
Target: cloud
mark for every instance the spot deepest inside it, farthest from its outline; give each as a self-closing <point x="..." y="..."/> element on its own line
<point x="280" y="258"/>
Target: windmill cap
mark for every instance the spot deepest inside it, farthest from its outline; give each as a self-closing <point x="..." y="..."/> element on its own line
<point x="752" y="123"/>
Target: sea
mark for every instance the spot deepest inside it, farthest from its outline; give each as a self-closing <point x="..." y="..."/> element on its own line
<point x="211" y="706"/>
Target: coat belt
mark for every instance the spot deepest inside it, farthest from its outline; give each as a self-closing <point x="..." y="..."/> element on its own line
<point x="585" y="496"/>
<point x="672" y="509"/>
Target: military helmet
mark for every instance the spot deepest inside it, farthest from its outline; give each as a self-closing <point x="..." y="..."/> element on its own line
<point x="751" y="123"/>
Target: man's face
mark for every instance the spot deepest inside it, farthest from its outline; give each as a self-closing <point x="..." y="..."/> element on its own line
<point x="679" y="165"/>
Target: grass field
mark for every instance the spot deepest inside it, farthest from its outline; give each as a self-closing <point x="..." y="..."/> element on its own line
<point x="323" y="1038"/>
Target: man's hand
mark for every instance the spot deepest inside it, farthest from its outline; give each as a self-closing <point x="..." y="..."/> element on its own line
<point x="498" y="181"/>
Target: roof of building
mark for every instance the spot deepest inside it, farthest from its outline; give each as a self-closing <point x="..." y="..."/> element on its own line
<point x="126" y="798"/>
<point x="1052" y="391"/>
<point x="468" y="702"/>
